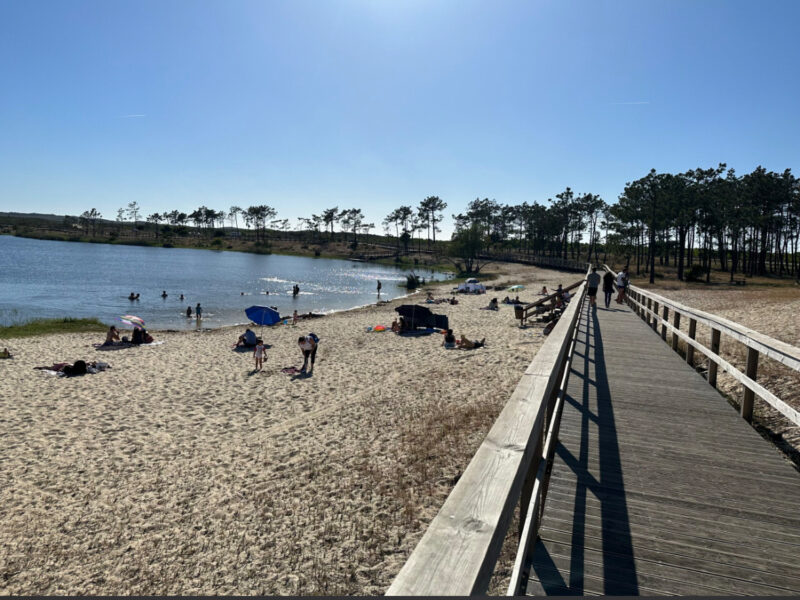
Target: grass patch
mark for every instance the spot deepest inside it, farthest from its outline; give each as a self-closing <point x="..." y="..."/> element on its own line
<point x="48" y="326"/>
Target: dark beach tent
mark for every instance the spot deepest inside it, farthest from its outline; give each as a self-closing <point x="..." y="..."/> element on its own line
<point x="262" y="315"/>
<point x="421" y="316"/>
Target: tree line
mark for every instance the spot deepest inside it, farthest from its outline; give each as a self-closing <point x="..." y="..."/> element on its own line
<point x="693" y="221"/>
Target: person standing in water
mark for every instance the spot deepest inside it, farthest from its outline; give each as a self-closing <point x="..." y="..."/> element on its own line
<point x="379" y="287"/>
<point x="198" y="311"/>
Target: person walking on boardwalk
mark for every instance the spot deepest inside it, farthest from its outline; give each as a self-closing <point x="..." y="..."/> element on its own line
<point x="592" y="283"/>
<point x="608" y="286"/>
<point x="622" y="284"/>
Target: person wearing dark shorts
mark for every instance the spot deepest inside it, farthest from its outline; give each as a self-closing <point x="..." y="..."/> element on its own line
<point x="308" y="346"/>
<point x="608" y="287"/>
<point x="593" y="282"/>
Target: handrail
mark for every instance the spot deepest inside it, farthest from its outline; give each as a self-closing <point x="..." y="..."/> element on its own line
<point x="533" y="515"/>
<point x="756" y="343"/>
<point x="459" y="550"/>
<point x="526" y="308"/>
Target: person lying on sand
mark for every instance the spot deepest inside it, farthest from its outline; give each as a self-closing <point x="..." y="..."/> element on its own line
<point x="469" y="344"/>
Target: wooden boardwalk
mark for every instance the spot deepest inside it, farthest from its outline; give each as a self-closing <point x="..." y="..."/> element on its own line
<point x="658" y="486"/>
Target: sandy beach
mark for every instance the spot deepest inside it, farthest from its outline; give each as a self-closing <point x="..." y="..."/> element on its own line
<point x="182" y="471"/>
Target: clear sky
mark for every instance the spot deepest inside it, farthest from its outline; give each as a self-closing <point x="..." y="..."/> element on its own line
<point x="308" y="104"/>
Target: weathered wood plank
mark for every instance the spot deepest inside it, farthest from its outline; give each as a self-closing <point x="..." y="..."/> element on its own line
<point x="648" y="493"/>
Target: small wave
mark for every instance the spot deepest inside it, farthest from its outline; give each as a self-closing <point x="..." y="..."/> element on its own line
<point x="275" y="279"/>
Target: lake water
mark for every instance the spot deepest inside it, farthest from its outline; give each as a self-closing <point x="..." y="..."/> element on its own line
<point x="44" y="279"/>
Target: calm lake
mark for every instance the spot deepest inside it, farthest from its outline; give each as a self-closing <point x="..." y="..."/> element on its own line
<point x="43" y="279"/>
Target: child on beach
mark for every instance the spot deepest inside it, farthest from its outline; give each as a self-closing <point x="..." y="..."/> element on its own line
<point x="259" y="352"/>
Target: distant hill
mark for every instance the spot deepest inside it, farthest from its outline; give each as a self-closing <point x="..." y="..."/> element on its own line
<point x="45" y="217"/>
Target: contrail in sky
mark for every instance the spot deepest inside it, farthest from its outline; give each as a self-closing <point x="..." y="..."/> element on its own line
<point x="627" y="103"/>
<point x="131" y="116"/>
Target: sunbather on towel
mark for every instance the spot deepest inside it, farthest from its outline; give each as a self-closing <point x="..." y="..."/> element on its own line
<point x="469" y="344"/>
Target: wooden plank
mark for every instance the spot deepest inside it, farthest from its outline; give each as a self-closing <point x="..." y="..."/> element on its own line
<point x="648" y="487"/>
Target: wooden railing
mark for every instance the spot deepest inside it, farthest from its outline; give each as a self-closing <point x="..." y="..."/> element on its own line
<point x="648" y="304"/>
<point x="458" y="552"/>
<point x="524" y="311"/>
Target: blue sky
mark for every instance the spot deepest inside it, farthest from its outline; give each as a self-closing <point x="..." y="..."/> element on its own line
<point x="304" y="105"/>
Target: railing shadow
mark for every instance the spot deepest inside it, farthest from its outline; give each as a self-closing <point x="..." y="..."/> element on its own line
<point x="589" y="385"/>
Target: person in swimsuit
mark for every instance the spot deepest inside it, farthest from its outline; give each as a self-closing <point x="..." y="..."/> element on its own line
<point x="259" y="353"/>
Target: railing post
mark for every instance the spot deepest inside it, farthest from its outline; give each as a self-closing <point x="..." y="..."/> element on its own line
<point x="649" y="307"/>
<point x="676" y="323"/>
<point x="689" y="347"/>
<point x="655" y="316"/>
<point x="749" y="395"/>
<point x="712" y="365"/>
<point x="665" y="313"/>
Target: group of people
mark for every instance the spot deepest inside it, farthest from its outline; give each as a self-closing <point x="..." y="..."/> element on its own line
<point x="308" y="347"/>
<point x="608" y="280"/>
<point x="139" y="336"/>
<point x="198" y="311"/>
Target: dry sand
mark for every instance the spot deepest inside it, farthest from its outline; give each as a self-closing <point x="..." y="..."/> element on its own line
<point x="180" y="471"/>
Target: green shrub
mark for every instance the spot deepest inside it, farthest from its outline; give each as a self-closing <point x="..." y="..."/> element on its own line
<point x="696" y="273"/>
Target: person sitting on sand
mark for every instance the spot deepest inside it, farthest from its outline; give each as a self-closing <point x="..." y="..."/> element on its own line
<point x="308" y="346"/>
<point x="544" y="291"/>
<point x="507" y="300"/>
<point x="453" y="300"/>
<point x="449" y="339"/>
<point x="395" y="326"/>
<point x="469" y="344"/>
<point x="493" y="305"/>
<point x="247" y="339"/>
<point x="138" y="336"/>
<point x="112" y="336"/>
<point x="5" y="353"/>
<point x="402" y="325"/>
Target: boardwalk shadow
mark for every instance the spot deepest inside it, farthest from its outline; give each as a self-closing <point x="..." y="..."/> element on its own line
<point x="590" y="395"/>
